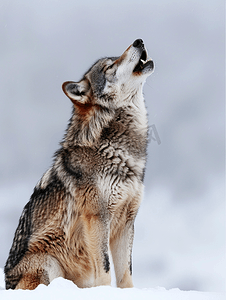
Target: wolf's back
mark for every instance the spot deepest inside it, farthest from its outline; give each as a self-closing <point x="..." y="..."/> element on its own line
<point x="19" y="246"/>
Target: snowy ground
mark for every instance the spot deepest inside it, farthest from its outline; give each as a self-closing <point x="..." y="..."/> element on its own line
<point x="64" y="289"/>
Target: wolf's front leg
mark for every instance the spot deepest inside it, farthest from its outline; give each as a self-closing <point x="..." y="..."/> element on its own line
<point x="97" y="238"/>
<point x="121" y="249"/>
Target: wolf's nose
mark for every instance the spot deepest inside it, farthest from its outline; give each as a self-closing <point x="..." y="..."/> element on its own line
<point x="138" y="43"/>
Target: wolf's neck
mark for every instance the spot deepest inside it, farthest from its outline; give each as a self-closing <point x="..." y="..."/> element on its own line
<point x="86" y="129"/>
<point x="86" y="132"/>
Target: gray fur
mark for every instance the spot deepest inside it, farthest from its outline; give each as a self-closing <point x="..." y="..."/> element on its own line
<point x="85" y="205"/>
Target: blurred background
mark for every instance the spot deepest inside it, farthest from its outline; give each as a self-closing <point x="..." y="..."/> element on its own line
<point x="180" y="228"/>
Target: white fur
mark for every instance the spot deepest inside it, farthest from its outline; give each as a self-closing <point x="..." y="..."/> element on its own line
<point x="53" y="268"/>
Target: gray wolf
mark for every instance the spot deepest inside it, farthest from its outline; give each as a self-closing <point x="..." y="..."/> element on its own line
<point x="85" y="205"/>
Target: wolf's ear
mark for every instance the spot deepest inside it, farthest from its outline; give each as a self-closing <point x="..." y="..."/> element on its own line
<point x="76" y="91"/>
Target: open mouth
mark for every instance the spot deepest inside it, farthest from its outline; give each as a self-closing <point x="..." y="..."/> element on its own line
<point x="143" y="62"/>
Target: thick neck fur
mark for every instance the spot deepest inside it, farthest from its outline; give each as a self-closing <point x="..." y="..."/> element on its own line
<point x="85" y="130"/>
<point x="87" y="122"/>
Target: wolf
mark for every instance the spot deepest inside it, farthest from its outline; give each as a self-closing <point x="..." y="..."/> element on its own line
<point x="85" y="205"/>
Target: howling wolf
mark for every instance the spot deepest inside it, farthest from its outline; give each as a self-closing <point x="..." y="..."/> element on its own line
<point x="85" y="205"/>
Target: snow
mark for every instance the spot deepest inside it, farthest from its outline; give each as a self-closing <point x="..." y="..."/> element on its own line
<point x="61" y="288"/>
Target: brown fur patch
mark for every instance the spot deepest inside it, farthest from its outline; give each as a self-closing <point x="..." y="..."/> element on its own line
<point x="122" y="57"/>
<point x="29" y="281"/>
<point x="86" y="111"/>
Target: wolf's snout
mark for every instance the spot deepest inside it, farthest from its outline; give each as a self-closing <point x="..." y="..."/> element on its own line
<point x="138" y="43"/>
<point x="144" y="65"/>
<point x="151" y="63"/>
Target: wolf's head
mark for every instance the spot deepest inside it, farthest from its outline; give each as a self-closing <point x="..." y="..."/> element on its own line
<point x="111" y="84"/>
<point x="112" y="81"/>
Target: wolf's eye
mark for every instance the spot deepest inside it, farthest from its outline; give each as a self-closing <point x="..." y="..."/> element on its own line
<point x="109" y="67"/>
